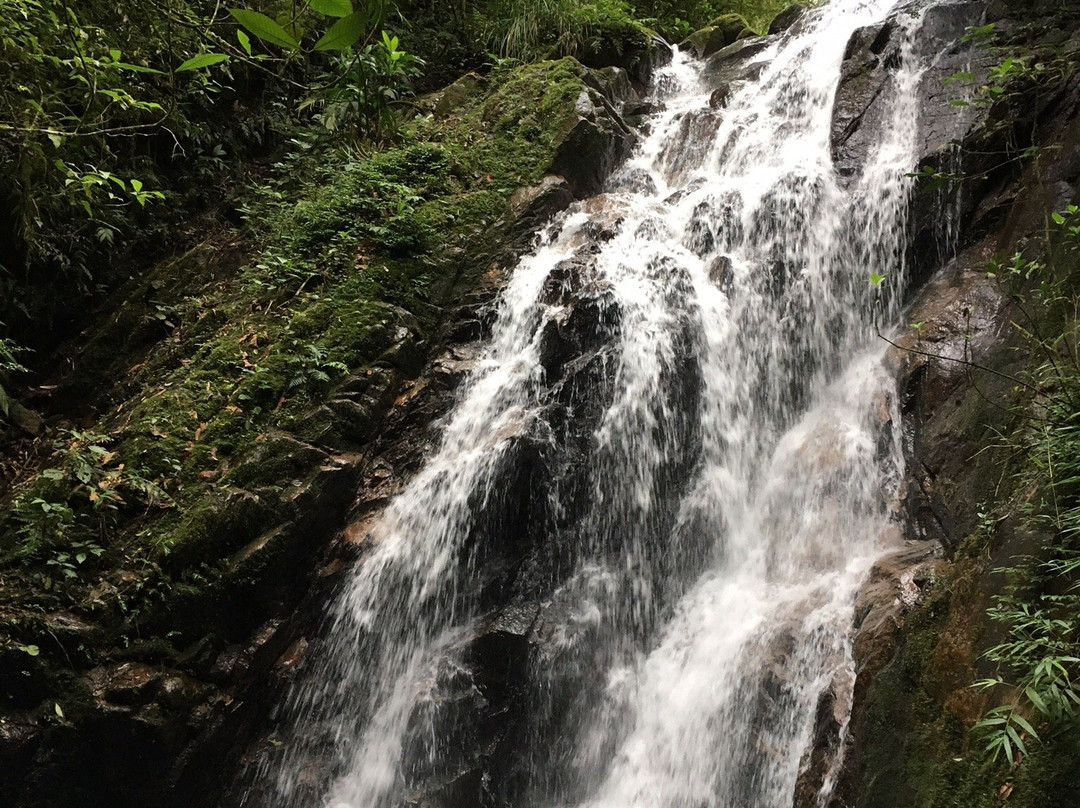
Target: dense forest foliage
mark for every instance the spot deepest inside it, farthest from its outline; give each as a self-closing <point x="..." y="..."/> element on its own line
<point x="119" y="120"/>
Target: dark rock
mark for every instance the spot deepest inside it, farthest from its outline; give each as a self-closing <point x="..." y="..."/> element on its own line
<point x="533" y="207"/>
<point x="720" y="272"/>
<point x="719" y="98"/>
<point x="819" y="760"/>
<point x="733" y="63"/>
<point x="592" y="145"/>
<point x="25" y="419"/>
<point x="129" y="684"/>
<point x="639" y="57"/>
<point x="787" y="18"/>
<point x="864" y="98"/>
<point x="612" y="83"/>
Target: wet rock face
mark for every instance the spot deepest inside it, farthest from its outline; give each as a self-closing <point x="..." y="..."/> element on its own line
<point x="871" y="61"/>
<point x="953" y="374"/>
<point x="592" y="145"/>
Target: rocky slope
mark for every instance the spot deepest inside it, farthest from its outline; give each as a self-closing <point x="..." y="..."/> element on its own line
<point x="235" y="399"/>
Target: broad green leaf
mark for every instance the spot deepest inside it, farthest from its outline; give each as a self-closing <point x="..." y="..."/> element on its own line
<point x="264" y="28"/>
<point x="1058" y="218"/>
<point x="344" y="33"/>
<point x="57" y="710"/>
<point x="876" y="279"/>
<point x="332" y="8"/>
<point x="245" y="41"/>
<point x="202" y="60"/>
<point x="32" y="650"/>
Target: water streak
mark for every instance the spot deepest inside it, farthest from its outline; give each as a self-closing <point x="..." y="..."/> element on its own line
<point x="737" y="481"/>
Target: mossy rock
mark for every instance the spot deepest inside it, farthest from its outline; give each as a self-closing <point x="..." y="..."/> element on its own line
<point x="730" y="25"/>
<point x="460" y="94"/>
<point x="625" y="44"/>
<point x="717" y="35"/>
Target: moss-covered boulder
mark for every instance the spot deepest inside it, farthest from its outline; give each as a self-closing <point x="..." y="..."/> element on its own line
<point x="717" y="35"/>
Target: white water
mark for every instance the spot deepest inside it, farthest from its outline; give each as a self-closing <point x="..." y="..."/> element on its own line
<point x="725" y="537"/>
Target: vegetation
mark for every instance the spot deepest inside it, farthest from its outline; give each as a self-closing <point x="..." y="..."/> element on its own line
<point x="1040" y="610"/>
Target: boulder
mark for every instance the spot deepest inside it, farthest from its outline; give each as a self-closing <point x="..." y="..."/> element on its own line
<point x="591" y="145"/>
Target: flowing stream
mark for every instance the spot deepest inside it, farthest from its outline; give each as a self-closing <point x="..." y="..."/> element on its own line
<point x="734" y="488"/>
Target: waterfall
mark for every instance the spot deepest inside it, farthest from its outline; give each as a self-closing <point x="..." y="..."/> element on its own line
<point x="714" y="457"/>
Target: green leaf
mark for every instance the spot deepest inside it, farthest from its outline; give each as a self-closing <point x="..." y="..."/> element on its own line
<point x="57" y="710"/>
<point x="1026" y="727"/>
<point x="265" y="28"/>
<point x="876" y="279"/>
<point x="202" y="60"/>
<point x="1058" y="218"/>
<point x="245" y="41"/>
<point x="332" y="8"/>
<point x="344" y="33"/>
<point x="32" y="650"/>
<point x="1017" y="742"/>
<point x="136" y="68"/>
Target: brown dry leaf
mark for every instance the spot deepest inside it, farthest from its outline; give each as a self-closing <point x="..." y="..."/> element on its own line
<point x="233" y="408"/>
<point x="1006" y="791"/>
<point x="207" y="475"/>
<point x="200" y="431"/>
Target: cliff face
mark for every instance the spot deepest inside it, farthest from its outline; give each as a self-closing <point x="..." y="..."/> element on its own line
<point x="962" y="367"/>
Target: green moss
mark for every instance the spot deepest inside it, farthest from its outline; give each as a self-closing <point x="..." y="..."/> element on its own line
<point x="731" y="25"/>
<point x="509" y="140"/>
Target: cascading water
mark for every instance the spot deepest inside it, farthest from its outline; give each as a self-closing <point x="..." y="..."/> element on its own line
<point x="705" y="548"/>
